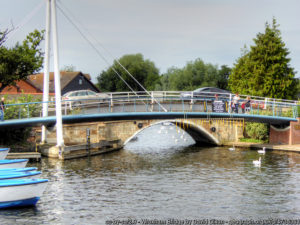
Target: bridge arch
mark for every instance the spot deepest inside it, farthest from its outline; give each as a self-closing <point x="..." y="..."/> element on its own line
<point x="197" y="132"/>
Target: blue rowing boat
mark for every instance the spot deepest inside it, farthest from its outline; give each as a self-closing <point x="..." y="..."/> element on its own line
<point x="13" y="163"/>
<point x="3" y="153"/>
<point x="20" y="193"/>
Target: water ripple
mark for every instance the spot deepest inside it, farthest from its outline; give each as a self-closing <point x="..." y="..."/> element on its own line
<point x="184" y="183"/>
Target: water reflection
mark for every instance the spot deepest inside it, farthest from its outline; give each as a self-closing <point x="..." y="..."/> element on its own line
<point x="156" y="178"/>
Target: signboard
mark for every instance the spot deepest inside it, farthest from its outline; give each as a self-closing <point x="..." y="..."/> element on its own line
<point x="219" y="107"/>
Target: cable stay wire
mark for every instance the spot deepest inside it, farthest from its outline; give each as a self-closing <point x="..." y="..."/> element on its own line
<point x="99" y="53"/>
<point x="25" y="20"/>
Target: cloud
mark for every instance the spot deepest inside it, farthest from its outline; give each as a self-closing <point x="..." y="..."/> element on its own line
<point x="168" y="32"/>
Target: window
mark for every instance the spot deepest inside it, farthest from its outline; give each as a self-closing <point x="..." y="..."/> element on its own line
<point x="91" y="93"/>
<point x="80" y="82"/>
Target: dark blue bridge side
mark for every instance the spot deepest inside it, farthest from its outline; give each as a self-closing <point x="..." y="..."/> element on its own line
<point x="69" y="119"/>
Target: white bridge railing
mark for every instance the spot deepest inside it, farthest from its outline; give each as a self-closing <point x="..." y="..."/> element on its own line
<point x="158" y="101"/>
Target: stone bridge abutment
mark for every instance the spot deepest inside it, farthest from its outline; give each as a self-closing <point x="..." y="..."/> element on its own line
<point x="203" y="131"/>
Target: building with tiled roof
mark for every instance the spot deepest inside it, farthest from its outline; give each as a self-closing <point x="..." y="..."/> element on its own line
<point x="69" y="81"/>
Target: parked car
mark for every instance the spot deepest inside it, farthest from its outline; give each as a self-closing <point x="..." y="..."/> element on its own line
<point x="77" y="98"/>
<point x="205" y="92"/>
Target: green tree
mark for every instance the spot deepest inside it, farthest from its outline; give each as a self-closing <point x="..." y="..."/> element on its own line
<point x="69" y="68"/>
<point x="18" y="62"/>
<point x="223" y="76"/>
<point x="3" y="36"/>
<point x="144" y="71"/>
<point x="195" y="74"/>
<point x="298" y="87"/>
<point x="264" y="70"/>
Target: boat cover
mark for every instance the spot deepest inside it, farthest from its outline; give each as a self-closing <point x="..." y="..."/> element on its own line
<point x="18" y="182"/>
<point x="9" y="161"/>
<point x="17" y="169"/>
<point x="20" y="175"/>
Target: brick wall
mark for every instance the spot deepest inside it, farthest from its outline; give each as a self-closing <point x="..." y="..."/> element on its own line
<point x="289" y="135"/>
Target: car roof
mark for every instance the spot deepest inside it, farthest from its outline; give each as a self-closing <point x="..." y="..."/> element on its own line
<point x="70" y="92"/>
<point x="211" y="89"/>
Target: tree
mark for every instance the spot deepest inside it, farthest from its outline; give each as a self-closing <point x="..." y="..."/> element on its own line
<point x="18" y="62"/>
<point x="264" y="70"/>
<point x="195" y="74"/>
<point x="69" y="68"/>
<point x="298" y="86"/>
<point x="3" y="36"/>
<point x="144" y="71"/>
<point x="223" y="76"/>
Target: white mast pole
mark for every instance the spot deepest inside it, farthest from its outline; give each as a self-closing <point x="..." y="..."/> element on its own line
<point x="59" y="128"/>
<point x="46" y="70"/>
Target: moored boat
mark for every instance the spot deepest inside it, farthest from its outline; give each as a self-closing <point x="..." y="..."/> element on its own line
<point x="20" y="175"/>
<point x="13" y="163"/>
<point x="19" y="193"/>
<point x="3" y="153"/>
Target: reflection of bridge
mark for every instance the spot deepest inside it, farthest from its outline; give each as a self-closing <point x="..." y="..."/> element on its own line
<point x="123" y="115"/>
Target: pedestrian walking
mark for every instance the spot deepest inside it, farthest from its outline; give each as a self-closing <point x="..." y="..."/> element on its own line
<point x="236" y="100"/>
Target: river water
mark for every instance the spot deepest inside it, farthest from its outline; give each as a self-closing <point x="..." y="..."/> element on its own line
<point x="161" y="178"/>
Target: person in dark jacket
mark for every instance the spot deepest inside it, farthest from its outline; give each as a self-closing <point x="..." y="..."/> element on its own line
<point x="248" y="104"/>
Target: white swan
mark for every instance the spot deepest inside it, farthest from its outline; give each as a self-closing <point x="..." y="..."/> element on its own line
<point x="257" y="162"/>
<point x="262" y="151"/>
<point x="231" y="149"/>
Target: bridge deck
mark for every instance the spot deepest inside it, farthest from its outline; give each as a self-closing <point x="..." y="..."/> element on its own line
<point x="68" y="119"/>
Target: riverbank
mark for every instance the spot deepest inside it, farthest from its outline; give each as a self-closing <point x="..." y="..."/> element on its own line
<point x="291" y="148"/>
<point x="35" y="154"/>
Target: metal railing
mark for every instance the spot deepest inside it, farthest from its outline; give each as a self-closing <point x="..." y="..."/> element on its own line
<point x="158" y="101"/>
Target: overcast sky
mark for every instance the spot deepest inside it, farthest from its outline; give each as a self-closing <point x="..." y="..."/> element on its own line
<point x="167" y="32"/>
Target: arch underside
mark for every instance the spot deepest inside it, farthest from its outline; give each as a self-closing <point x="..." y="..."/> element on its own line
<point x="200" y="135"/>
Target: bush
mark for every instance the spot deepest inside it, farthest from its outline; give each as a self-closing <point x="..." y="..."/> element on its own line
<point x="12" y="136"/>
<point x="258" y="131"/>
<point x="21" y="110"/>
